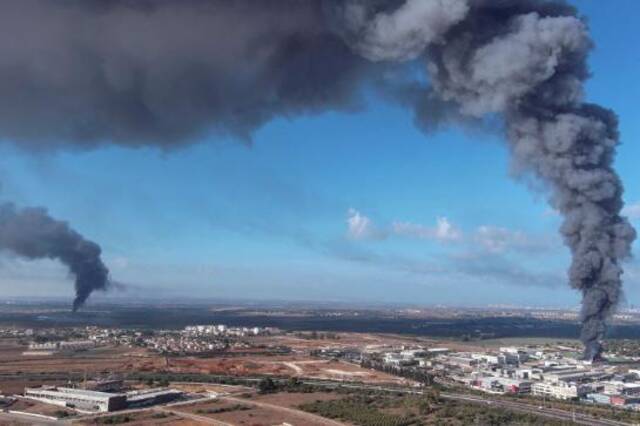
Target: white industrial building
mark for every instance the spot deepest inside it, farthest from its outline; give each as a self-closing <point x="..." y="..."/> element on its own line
<point x="560" y="390"/>
<point x="78" y="398"/>
<point x="490" y="359"/>
<point x="573" y="375"/>
<point x="398" y="360"/>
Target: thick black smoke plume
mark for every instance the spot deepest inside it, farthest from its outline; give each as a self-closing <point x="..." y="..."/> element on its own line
<point x="526" y="59"/>
<point x="33" y="234"/>
<point x="160" y="72"/>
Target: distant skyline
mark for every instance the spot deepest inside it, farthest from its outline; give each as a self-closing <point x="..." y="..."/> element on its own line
<point x="360" y="207"/>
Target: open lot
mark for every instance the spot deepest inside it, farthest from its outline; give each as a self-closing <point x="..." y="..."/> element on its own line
<point x="263" y="410"/>
<point x="292" y="366"/>
<point x="93" y="361"/>
<point x="293" y="400"/>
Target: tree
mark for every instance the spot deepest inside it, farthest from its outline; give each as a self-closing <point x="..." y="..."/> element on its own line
<point x="267" y="385"/>
<point x="293" y="382"/>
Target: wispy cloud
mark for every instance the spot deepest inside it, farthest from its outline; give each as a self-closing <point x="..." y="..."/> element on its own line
<point x="361" y="227"/>
<point x="443" y="231"/>
<point x="501" y="269"/>
<point x="489" y="238"/>
<point x="484" y="254"/>
<point x="495" y="239"/>
<point x="464" y="268"/>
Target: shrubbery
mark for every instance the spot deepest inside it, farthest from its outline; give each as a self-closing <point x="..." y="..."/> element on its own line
<point x="358" y="411"/>
<point x="113" y="420"/>
<point x="236" y="407"/>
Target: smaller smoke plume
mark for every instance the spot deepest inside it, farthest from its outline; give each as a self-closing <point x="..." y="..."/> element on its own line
<point x="33" y="234"/>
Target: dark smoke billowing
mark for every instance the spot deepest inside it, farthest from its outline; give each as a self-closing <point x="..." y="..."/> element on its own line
<point x="31" y="233"/>
<point x="165" y="73"/>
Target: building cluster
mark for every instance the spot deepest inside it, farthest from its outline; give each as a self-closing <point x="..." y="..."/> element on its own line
<point x="176" y="343"/>
<point x="18" y="332"/>
<point x="545" y="372"/>
<point x="192" y="339"/>
<point x="556" y="373"/>
<point x="69" y="345"/>
<point x="75" y="338"/>
<point x="222" y="330"/>
<point x="204" y="338"/>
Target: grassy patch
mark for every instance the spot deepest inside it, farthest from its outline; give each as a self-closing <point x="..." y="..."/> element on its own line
<point x="396" y="410"/>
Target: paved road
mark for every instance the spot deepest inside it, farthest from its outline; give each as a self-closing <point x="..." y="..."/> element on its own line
<point x="298" y="413"/>
<point x="22" y="419"/>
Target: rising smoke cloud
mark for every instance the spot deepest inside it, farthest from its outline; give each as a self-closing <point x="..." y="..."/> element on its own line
<point x="165" y="73"/>
<point x="32" y="234"/>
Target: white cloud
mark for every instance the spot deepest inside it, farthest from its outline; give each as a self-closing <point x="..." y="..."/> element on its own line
<point x="487" y="238"/>
<point x="499" y="240"/>
<point x="359" y="226"/>
<point x="443" y="231"/>
<point x="632" y="211"/>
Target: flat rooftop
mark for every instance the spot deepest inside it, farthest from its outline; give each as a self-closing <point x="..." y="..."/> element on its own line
<point x="73" y="391"/>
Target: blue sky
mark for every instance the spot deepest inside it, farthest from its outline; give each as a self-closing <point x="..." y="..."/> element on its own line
<point x="358" y="207"/>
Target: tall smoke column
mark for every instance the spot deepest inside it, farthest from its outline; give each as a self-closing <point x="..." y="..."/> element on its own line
<point x="168" y="73"/>
<point x="33" y="234"/>
<point x="527" y="61"/>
